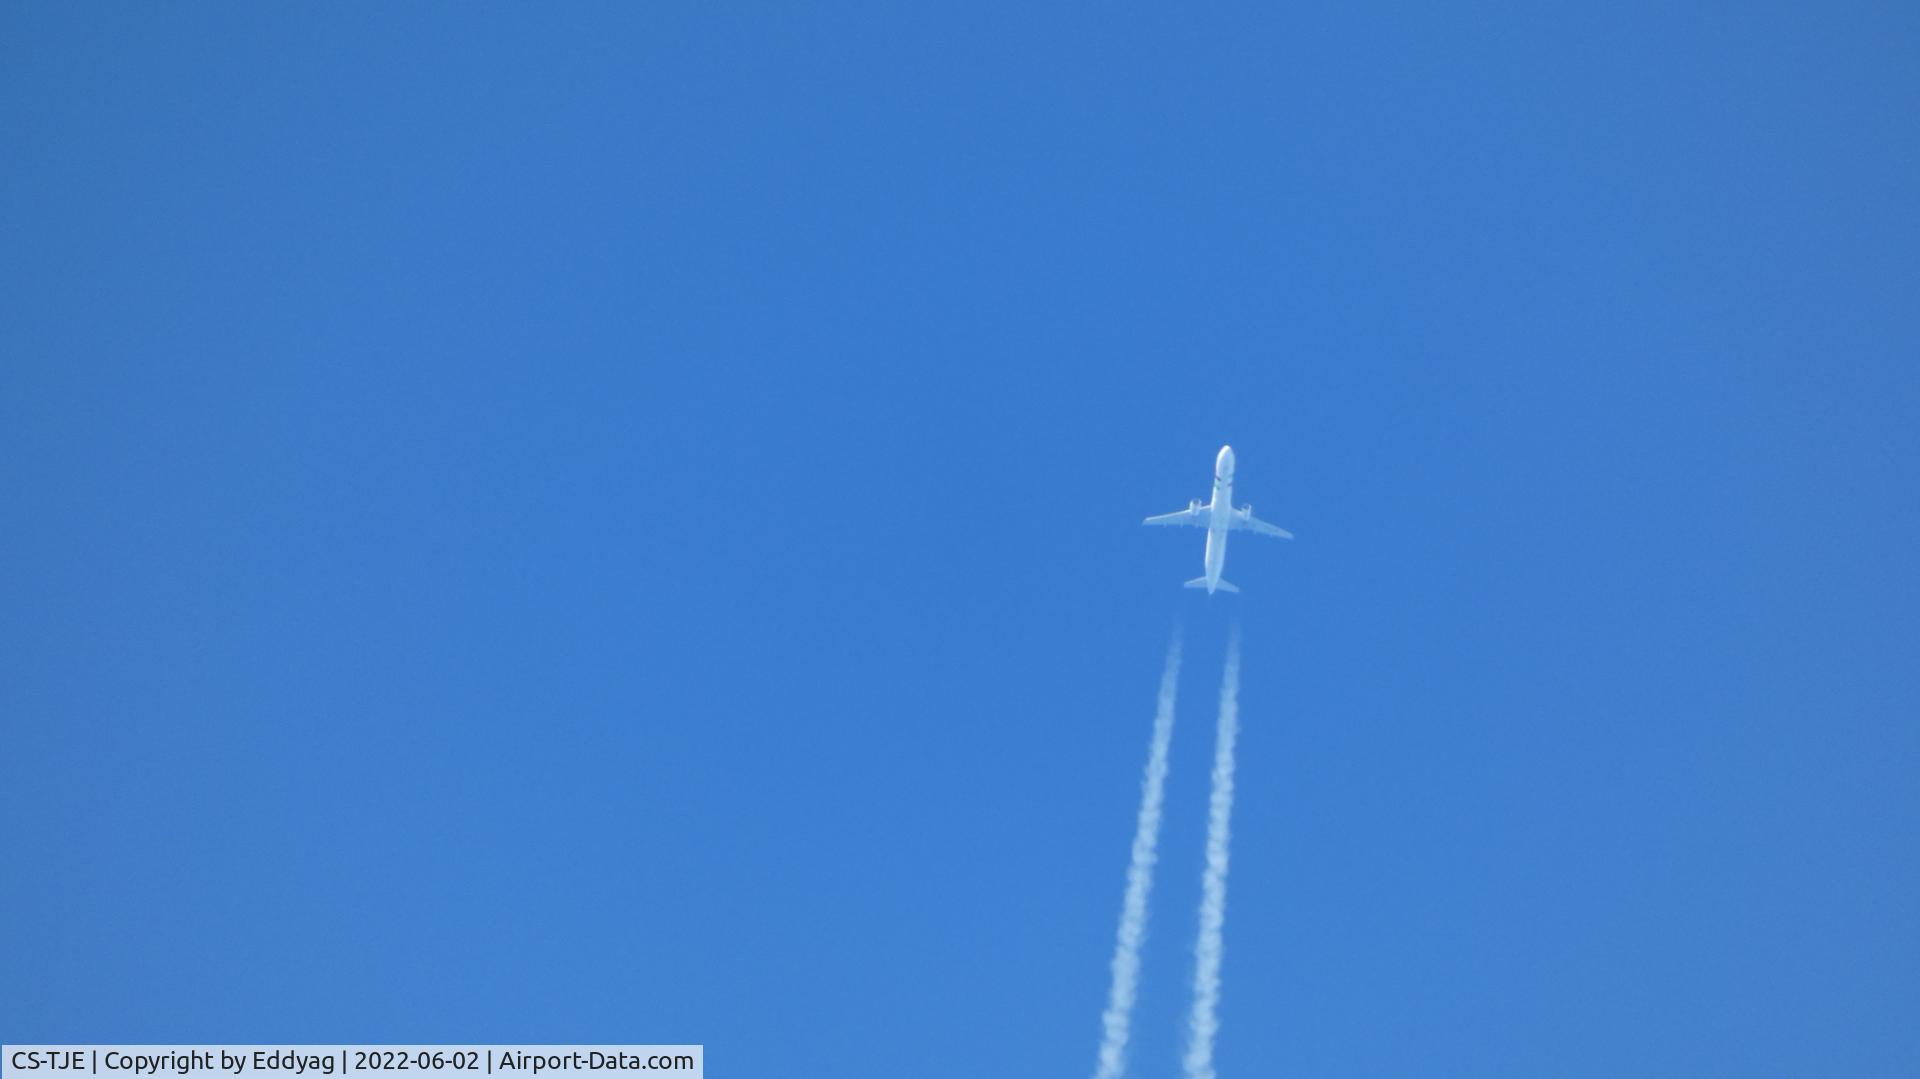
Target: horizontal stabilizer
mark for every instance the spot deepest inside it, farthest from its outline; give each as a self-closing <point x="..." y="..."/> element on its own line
<point x="1223" y="585"/>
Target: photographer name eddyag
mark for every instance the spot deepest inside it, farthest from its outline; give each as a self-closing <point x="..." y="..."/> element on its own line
<point x="344" y="1060"/>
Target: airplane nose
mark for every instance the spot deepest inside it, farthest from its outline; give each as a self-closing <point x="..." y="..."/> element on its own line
<point x="1224" y="463"/>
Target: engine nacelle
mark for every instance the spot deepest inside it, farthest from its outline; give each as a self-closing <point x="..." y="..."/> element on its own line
<point x="1193" y="506"/>
<point x="1246" y="512"/>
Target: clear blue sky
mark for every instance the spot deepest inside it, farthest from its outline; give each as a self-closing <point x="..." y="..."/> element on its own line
<point x="620" y="523"/>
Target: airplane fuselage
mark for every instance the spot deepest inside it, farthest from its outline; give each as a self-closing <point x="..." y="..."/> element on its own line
<point x="1220" y="519"/>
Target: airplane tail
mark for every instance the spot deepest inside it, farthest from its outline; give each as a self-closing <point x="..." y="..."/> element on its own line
<point x="1224" y="585"/>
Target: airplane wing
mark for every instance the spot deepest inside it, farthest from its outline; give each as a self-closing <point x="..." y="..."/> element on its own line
<point x="1199" y="516"/>
<point x="1255" y="524"/>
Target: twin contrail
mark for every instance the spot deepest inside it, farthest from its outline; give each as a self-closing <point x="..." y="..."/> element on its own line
<point x="1205" y="1022"/>
<point x="1118" y="1018"/>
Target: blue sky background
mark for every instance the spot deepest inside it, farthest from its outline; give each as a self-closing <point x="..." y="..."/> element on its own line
<point x="619" y="523"/>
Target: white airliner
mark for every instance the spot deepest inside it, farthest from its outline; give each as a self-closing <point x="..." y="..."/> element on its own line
<point x="1218" y="517"/>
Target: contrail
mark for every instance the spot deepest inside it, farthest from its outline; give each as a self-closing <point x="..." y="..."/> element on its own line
<point x="1118" y="1018"/>
<point x="1205" y="1022"/>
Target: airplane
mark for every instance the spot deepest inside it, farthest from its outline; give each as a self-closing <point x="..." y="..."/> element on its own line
<point x="1218" y="518"/>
